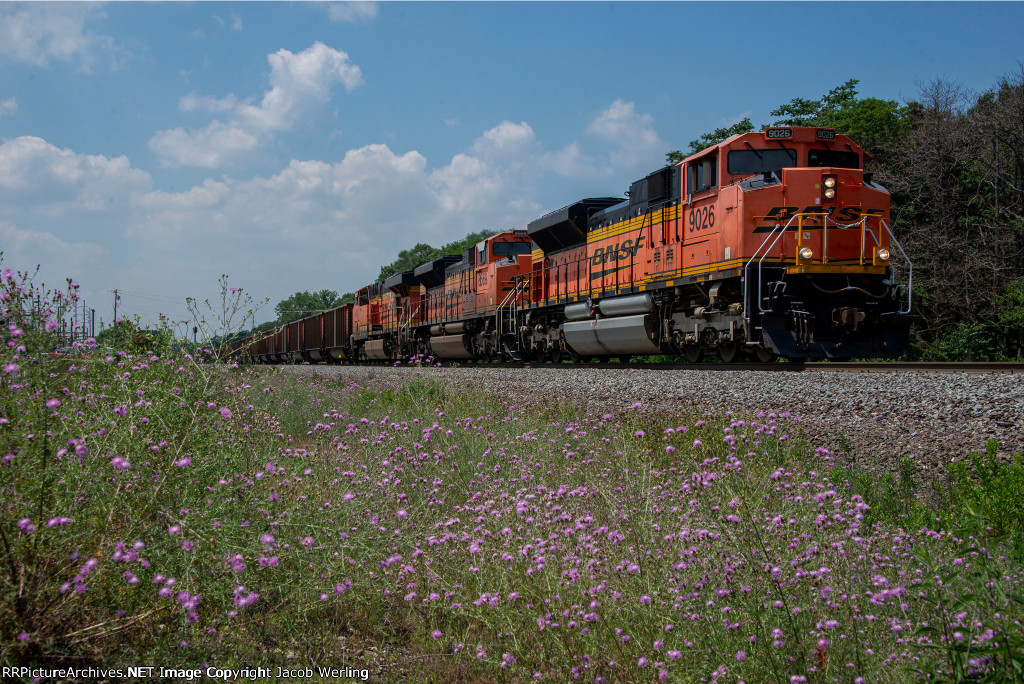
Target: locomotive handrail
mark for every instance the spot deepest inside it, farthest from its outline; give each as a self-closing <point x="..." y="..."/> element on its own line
<point x="511" y="302"/>
<point x="910" y="269"/>
<point x="781" y="230"/>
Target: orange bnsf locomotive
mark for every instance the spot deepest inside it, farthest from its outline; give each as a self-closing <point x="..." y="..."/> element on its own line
<point x="773" y="243"/>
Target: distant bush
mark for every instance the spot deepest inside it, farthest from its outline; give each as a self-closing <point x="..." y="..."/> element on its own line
<point x="966" y="342"/>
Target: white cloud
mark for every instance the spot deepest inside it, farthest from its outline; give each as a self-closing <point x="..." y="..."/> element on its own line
<point x="39" y="177"/>
<point x="58" y="258"/>
<point x="314" y="223"/>
<point x="207" y="103"/>
<point x="8" y="106"/>
<point x="496" y="178"/>
<point x="568" y="161"/>
<point x="235" y="24"/>
<point x="208" y="147"/>
<point x="507" y="138"/>
<point x="631" y="135"/>
<point x="46" y="247"/>
<point x="36" y="33"/>
<point x="352" y="12"/>
<point x="301" y="85"/>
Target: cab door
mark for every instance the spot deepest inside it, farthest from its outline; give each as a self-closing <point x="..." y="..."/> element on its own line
<point x="700" y="214"/>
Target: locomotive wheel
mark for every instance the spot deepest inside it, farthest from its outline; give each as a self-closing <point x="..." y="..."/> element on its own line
<point x="729" y="351"/>
<point x="604" y="359"/>
<point x="763" y="355"/>
<point x="693" y="353"/>
<point x="556" y="355"/>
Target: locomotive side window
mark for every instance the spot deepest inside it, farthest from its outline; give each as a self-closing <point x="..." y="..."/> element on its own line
<point x="702" y="174"/>
<point x="838" y="158"/>
<point x="481" y="254"/>
<point x="760" y="161"/>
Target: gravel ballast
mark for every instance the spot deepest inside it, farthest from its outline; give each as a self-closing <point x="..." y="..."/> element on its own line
<point x="930" y="418"/>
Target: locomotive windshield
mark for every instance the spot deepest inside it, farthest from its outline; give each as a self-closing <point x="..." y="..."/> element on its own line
<point x="507" y="249"/>
<point x="760" y="161"/>
<point x="838" y="158"/>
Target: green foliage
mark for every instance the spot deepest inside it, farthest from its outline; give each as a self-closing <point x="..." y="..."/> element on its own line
<point x="719" y="134"/>
<point x="304" y="304"/>
<point x="408" y="259"/>
<point x="71" y="491"/>
<point x="976" y="639"/>
<point x="966" y="342"/>
<point x="801" y="112"/>
<point x="985" y="490"/>
<point x="222" y="320"/>
<point x="1010" y="305"/>
<point x="674" y="157"/>
<point x="872" y="122"/>
<point x="121" y="329"/>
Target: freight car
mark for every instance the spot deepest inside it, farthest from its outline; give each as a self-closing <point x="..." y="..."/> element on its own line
<point x="769" y="244"/>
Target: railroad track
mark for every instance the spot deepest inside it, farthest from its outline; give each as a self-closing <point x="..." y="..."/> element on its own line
<point x="989" y="367"/>
<point x="1011" y="367"/>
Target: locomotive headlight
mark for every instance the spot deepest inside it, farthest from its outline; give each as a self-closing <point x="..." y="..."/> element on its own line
<point x="806" y="253"/>
<point x="829" y="191"/>
<point x="882" y="254"/>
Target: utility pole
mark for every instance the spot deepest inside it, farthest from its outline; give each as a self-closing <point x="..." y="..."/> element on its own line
<point x="114" y="324"/>
<point x="92" y="327"/>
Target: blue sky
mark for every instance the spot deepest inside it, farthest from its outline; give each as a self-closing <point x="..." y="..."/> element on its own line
<point x="151" y="147"/>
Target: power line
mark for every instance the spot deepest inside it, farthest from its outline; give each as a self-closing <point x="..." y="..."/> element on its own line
<point x="152" y="298"/>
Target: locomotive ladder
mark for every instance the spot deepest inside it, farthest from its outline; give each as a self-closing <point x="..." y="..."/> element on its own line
<point x="507" y="317"/>
<point x="403" y="328"/>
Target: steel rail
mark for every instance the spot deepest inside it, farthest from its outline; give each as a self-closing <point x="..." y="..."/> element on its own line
<point x="989" y="367"/>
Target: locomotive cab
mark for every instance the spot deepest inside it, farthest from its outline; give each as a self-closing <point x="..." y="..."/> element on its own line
<point x="499" y="260"/>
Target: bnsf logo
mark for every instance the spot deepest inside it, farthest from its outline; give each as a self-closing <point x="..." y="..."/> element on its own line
<point x="621" y="250"/>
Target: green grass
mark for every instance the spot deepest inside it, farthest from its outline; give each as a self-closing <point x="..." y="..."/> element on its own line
<point x="431" y="532"/>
